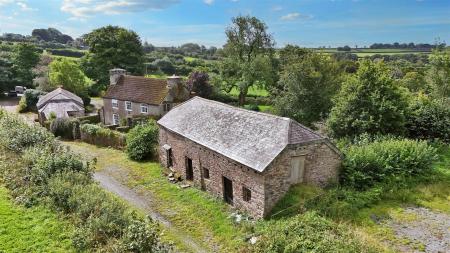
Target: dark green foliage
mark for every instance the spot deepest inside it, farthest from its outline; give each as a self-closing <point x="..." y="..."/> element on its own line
<point x="368" y="102"/>
<point x="142" y="141"/>
<point x="112" y="47"/>
<point x="388" y="159"/>
<point x="67" y="52"/>
<point x="429" y="119"/>
<point x="198" y="82"/>
<point x="51" y="35"/>
<point x="308" y="232"/>
<point x="24" y="58"/>
<point x="306" y="87"/>
<point x="29" y="100"/>
<point x="66" y="128"/>
<point x="253" y="107"/>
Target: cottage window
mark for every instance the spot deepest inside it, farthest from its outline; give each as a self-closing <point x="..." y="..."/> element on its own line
<point x="128" y="106"/>
<point x="246" y="194"/>
<point x="206" y="173"/>
<point x="144" y="108"/>
<point x="116" y="119"/>
<point x="167" y="107"/>
<point x="114" y="103"/>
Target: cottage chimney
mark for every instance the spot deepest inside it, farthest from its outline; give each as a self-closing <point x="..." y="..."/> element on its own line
<point x="115" y="74"/>
<point x="173" y="82"/>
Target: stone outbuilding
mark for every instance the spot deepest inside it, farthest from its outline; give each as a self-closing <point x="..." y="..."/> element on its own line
<point x="130" y="96"/>
<point x="61" y="103"/>
<point x="250" y="159"/>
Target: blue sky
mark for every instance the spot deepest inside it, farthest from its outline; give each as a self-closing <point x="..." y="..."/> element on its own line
<point x="307" y="23"/>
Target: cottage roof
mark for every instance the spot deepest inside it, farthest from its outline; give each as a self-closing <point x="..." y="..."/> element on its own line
<point x="58" y="95"/>
<point x="138" y="89"/>
<point x="251" y="138"/>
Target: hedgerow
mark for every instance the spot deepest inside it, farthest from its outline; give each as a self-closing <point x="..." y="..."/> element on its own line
<point x="47" y="173"/>
<point x="101" y="136"/>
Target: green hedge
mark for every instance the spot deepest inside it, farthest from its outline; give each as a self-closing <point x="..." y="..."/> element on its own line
<point x="91" y="119"/>
<point x="387" y="159"/>
<point x="66" y="128"/>
<point x="97" y="135"/>
<point x="39" y="171"/>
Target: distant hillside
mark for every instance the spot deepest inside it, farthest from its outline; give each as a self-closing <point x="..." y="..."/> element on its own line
<point x="51" y="35"/>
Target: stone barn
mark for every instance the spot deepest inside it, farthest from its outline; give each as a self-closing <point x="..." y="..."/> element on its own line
<point x="247" y="158"/>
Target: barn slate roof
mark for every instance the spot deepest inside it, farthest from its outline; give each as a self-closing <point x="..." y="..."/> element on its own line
<point x="138" y="89"/>
<point x="251" y="138"/>
<point x="58" y="94"/>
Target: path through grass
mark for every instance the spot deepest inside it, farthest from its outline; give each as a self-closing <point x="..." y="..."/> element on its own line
<point x="191" y="210"/>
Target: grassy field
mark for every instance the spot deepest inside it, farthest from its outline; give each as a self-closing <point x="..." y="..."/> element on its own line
<point x="363" y="52"/>
<point x="252" y="91"/>
<point x="31" y="229"/>
<point x="191" y="210"/>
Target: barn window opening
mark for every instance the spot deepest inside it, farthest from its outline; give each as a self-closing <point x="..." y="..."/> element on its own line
<point x="246" y="194"/>
<point x="206" y="173"/>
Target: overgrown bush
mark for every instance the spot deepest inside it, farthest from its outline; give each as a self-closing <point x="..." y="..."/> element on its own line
<point x="66" y="128"/>
<point x="366" y="164"/>
<point x="97" y="135"/>
<point x="142" y="140"/>
<point x="29" y="100"/>
<point x="429" y="119"/>
<point x="308" y="232"/>
<point x="43" y="172"/>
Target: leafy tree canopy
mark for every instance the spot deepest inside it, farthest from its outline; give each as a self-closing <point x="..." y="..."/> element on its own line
<point x="24" y="58"/>
<point x="112" y="47"/>
<point x="248" y="53"/>
<point x="368" y="102"/>
<point x="439" y="73"/>
<point x="308" y="86"/>
<point x="198" y="82"/>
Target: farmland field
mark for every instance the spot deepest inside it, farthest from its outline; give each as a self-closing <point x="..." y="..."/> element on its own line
<point x="369" y="52"/>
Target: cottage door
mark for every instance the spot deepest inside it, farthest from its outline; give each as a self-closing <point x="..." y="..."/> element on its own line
<point x="228" y="190"/>
<point x="297" y="169"/>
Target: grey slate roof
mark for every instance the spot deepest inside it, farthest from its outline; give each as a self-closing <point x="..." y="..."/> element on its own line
<point x="58" y="95"/>
<point x="251" y="138"/>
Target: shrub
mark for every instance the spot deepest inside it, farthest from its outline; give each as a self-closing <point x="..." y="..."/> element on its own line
<point x="308" y="233"/>
<point x="142" y="140"/>
<point x="429" y="119"/>
<point x="17" y="135"/>
<point x="92" y="119"/>
<point x="252" y="107"/>
<point x="65" y="128"/>
<point x="366" y="164"/>
<point x="101" y="136"/>
<point x="29" y="100"/>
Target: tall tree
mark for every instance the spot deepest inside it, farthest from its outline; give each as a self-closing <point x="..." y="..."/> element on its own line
<point x="248" y="56"/>
<point x="368" y="102"/>
<point x="307" y="87"/>
<point x="112" y="47"/>
<point x="198" y="82"/>
<point x="24" y="58"/>
<point x="439" y="74"/>
<point x="67" y="73"/>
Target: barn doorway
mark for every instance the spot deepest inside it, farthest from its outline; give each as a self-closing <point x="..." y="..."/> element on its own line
<point x="297" y="172"/>
<point x="228" y="190"/>
<point x="189" y="169"/>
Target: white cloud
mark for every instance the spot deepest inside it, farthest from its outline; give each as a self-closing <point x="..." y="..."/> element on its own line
<point x="5" y="2"/>
<point x="85" y="8"/>
<point x="277" y="8"/>
<point x="294" y="16"/>
<point x="24" y="7"/>
<point x="208" y="2"/>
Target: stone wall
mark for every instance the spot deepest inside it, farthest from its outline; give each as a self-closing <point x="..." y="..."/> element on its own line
<point x="219" y="166"/>
<point x="321" y="167"/>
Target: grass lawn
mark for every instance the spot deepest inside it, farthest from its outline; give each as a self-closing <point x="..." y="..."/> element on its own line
<point x="191" y="210"/>
<point x="157" y="76"/>
<point x="31" y="229"/>
<point x="254" y="91"/>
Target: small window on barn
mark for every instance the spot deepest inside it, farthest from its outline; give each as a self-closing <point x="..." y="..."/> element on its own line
<point x="144" y="108"/>
<point x="206" y="173"/>
<point x="169" y="158"/>
<point x="128" y="106"/>
<point x="246" y="194"/>
<point x="167" y="107"/>
<point x="114" y="103"/>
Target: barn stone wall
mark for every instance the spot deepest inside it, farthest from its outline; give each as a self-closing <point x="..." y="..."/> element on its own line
<point x="322" y="164"/>
<point x="219" y="166"/>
